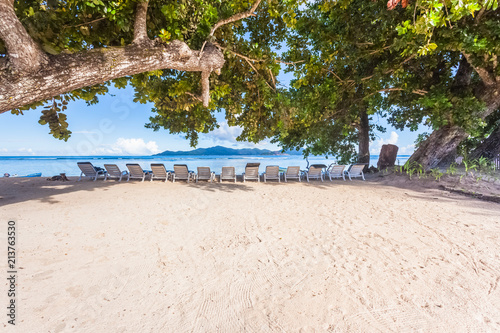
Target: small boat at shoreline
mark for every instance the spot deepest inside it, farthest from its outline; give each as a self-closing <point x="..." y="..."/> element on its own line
<point x="37" y="174"/>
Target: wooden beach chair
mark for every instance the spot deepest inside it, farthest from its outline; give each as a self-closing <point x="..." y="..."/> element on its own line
<point x="292" y="172"/>
<point x="227" y="173"/>
<point x="251" y="172"/>
<point x="336" y="171"/>
<point x="88" y="170"/>
<point x="314" y="172"/>
<point x="272" y="173"/>
<point x="158" y="171"/>
<point x="113" y="171"/>
<point x="181" y="172"/>
<point x="356" y="171"/>
<point x="204" y="173"/>
<point x="136" y="172"/>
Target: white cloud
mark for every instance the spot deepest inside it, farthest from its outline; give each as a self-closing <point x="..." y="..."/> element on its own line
<point x="26" y="151"/>
<point x="3" y="150"/>
<point x="377" y="144"/>
<point x="225" y="133"/>
<point x="407" y="150"/>
<point x="136" y="146"/>
<point x="123" y="146"/>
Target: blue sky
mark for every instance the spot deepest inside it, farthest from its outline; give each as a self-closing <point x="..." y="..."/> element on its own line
<point x="115" y="126"/>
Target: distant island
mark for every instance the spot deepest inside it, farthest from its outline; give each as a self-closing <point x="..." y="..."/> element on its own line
<point x="219" y="150"/>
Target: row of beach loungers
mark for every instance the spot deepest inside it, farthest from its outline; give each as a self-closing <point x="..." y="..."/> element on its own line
<point x="181" y="172"/>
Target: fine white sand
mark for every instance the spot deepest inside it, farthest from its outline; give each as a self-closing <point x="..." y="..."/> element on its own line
<point x="319" y="257"/>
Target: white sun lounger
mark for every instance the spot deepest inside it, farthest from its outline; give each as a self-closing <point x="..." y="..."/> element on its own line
<point x="251" y="172"/>
<point x="136" y="172"/>
<point x="158" y="171"/>
<point x="292" y="172"/>
<point x="227" y="173"/>
<point x="314" y="172"/>
<point x="88" y="170"/>
<point x="204" y="173"/>
<point x="113" y="171"/>
<point x="272" y="173"/>
<point x="337" y="171"/>
<point x="356" y="171"/>
<point x="181" y="172"/>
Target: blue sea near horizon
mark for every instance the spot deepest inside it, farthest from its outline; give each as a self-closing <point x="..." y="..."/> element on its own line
<point x="54" y="165"/>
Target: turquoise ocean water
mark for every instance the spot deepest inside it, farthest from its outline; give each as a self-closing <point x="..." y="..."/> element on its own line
<point x="53" y="165"/>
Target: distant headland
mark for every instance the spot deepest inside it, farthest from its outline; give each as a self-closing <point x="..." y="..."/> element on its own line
<point x="220" y="150"/>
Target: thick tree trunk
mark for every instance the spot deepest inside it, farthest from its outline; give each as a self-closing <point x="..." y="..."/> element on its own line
<point x="489" y="148"/>
<point x="439" y="144"/>
<point x="445" y="140"/>
<point x="364" y="138"/>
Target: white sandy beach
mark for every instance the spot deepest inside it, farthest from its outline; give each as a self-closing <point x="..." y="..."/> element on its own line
<point x="248" y="257"/>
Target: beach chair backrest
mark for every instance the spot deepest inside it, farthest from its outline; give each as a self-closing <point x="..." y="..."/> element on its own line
<point x="252" y="170"/>
<point x="314" y="171"/>
<point x="159" y="170"/>
<point x="357" y="169"/>
<point x="204" y="173"/>
<point x="292" y="171"/>
<point x="87" y="168"/>
<point x="272" y="171"/>
<point x="228" y="172"/>
<point x="181" y="171"/>
<point x="113" y="170"/>
<point x="337" y="170"/>
<point x="135" y="170"/>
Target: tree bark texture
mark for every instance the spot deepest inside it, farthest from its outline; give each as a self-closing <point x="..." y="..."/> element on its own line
<point x="24" y="54"/>
<point x="439" y="144"/>
<point x="364" y="138"/>
<point x="489" y="148"/>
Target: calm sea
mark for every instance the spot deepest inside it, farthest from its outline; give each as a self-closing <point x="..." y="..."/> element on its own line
<point x="53" y="165"/>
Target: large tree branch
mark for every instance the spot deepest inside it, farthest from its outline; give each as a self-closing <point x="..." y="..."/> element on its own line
<point x="25" y="56"/>
<point x="67" y="72"/>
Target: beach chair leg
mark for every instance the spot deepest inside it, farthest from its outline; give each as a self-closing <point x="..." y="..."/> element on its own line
<point x="362" y="175"/>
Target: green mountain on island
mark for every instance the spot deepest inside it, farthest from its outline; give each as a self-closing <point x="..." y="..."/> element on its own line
<point x="219" y="150"/>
